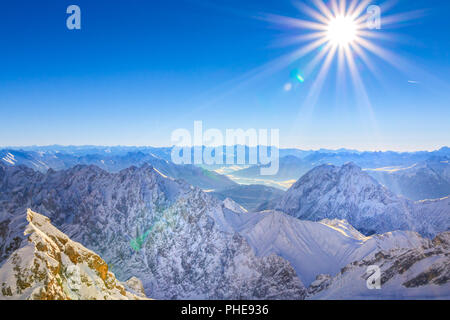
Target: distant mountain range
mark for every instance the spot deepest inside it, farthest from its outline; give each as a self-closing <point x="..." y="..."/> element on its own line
<point x="365" y="159"/>
<point x="417" y="176"/>
<point x="428" y="179"/>
<point x="44" y="160"/>
<point x="393" y="169"/>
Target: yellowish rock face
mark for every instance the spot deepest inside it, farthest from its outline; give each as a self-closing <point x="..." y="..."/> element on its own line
<point x="53" y="267"/>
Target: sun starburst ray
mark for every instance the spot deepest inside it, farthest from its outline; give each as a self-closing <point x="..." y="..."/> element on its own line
<point x="352" y="7"/>
<point x="387" y="55"/>
<point x="293" y="22"/>
<point x="360" y="8"/>
<point x="342" y="7"/>
<point x="361" y="20"/>
<point x="365" y="59"/>
<point x="317" y="59"/>
<point x="340" y="74"/>
<point x="292" y="40"/>
<point x="313" y="95"/>
<point x="323" y="8"/>
<point x="311" y="12"/>
<point x="403" y="17"/>
<point x="334" y="7"/>
<point x="362" y="93"/>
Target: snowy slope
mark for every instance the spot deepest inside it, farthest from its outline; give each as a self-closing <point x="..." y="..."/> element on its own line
<point x="53" y="267"/>
<point x="348" y="193"/>
<point x="417" y="273"/>
<point x="172" y="236"/>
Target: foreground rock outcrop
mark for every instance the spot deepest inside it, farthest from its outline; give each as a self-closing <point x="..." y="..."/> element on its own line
<point x="53" y="267"/>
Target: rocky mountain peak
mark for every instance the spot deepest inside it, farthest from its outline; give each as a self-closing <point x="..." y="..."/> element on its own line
<point x="349" y="193"/>
<point x="52" y="266"/>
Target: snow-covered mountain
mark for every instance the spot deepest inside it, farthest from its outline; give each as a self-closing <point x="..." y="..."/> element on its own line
<point x="184" y="243"/>
<point x="432" y="216"/>
<point x="171" y="235"/>
<point x="373" y="160"/>
<point x="348" y="193"/>
<point x="53" y="267"/>
<point x="386" y="167"/>
<point x="115" y="162"/>
<point x="314" y="247"/>
<point x="416" y="273"/>
<point x="425" y="180"/>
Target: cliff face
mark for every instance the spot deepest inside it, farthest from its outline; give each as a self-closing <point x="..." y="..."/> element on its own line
<point x="53" y="267"/>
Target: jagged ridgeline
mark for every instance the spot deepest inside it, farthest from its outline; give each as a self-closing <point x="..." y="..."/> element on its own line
<point x="184" y="243"/>
<point x="169" y="234"/>
<point x="348" y="192"/>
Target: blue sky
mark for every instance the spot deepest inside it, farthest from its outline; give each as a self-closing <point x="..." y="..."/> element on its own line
<point x="137" y="70"/>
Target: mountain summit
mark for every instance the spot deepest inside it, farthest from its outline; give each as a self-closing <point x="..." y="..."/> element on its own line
<point x="349" y="193"/>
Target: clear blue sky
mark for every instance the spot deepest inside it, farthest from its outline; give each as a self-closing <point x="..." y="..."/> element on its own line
<point x="137" y="70"/>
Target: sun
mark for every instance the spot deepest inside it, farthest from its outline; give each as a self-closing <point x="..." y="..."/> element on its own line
<point x="342" y="30"/>
<point x="341" y="36"/>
